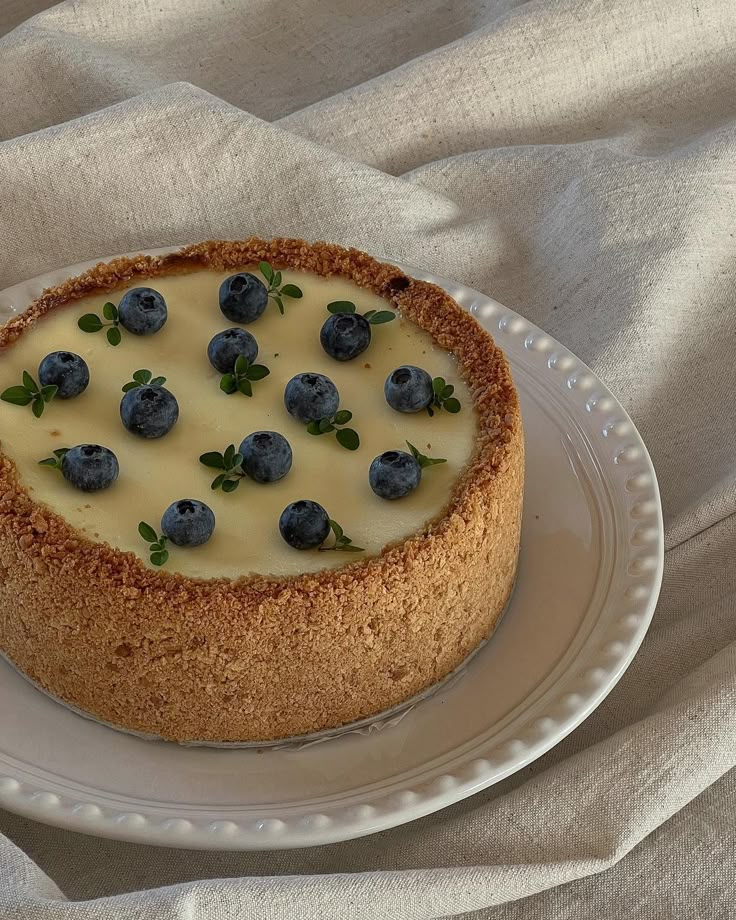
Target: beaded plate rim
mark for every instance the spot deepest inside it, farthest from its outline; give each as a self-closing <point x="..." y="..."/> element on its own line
<point x="576" y="692"/>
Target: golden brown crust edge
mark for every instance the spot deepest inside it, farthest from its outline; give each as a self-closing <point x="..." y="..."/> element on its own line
<point x="259" y="659"/>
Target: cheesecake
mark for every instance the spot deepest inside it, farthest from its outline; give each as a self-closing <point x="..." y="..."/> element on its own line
<point x="252" y="490"/>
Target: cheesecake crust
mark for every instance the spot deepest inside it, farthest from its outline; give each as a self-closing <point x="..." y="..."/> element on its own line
<point x="257" y="658"/>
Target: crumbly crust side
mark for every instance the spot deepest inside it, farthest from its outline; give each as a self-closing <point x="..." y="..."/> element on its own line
<point x="263" y="658"/>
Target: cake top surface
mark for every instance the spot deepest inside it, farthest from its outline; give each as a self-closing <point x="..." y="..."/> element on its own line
<point x="156" y="472"/>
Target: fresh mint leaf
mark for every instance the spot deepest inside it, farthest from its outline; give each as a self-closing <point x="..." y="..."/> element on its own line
<point x="342" y="543"/>
<point x="443" y="397"/>
<point x="147" y="532"/>
<point x="348" y="438"/>
<point x="345" y="436"/>
<point x="90" y="322"/>
<point x="230" y="463"/>
<point x="142" y="378"/>
<point x="29" y="383"/>
<point x="159" y="555"/>
<point x="422" y="459"/>
<point x="17" y="396"/>
<point x="243" y="373"/>
<point x="228" y="384"/>
<point x="275" y="290"/>
<point x="382" y="316"/>
<point x="55" y="461"/>
<point x="257" y="372"/>
<point x="341" y="306"/>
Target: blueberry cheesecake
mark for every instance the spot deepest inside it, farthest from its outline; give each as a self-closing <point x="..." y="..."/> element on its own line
<point x="251" y="490"/>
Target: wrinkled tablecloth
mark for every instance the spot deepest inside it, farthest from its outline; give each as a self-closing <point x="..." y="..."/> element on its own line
<point x="576" y="159"/>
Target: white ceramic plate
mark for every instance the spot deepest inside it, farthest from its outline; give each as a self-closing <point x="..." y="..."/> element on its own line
<point x="590" y="571"/>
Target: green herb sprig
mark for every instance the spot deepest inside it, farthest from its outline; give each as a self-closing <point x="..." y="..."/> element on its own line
<point x="346" y="437"/>
<point x="422" y="459"/>
<point x="144" y="378"/>
<point x="342" y="543"/>
<point x="29" y="393"/>
<point x="277" y="291"/>
<point x="244" y="374"/>
<point x="230" y="463"/>
<point x="443" y="398"/>
<point x="374" y="317"/>
<point x="157" y="547"/>
<point x="55" y="461"/>
<point x="91" y="322"/>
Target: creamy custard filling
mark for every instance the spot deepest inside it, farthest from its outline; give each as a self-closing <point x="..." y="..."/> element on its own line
<point x="154" y="473"/>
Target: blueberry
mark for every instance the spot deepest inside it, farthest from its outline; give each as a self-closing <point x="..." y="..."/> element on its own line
<point x="266" y="456"/>
<point x="188" y="522"/>
<point x="309" y="397"/>
<point x="226" y="347"/>
<point x="90" y="467"/>
<point x="304" y="524"/>
<point x="394" y="474"/>
<point x="148" y="411"/>
<point x="65" y="370"/>
<point x="345" y="335"/>
<point x="142" y="311"/>
<point x="408" y="389"/>
<point x="243" y="297"/>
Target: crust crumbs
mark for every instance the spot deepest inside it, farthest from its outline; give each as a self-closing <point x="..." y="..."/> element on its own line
<point x="263" y="658"/>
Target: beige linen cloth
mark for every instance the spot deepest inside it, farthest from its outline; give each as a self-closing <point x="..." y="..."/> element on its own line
<point x="577" y="160"/>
